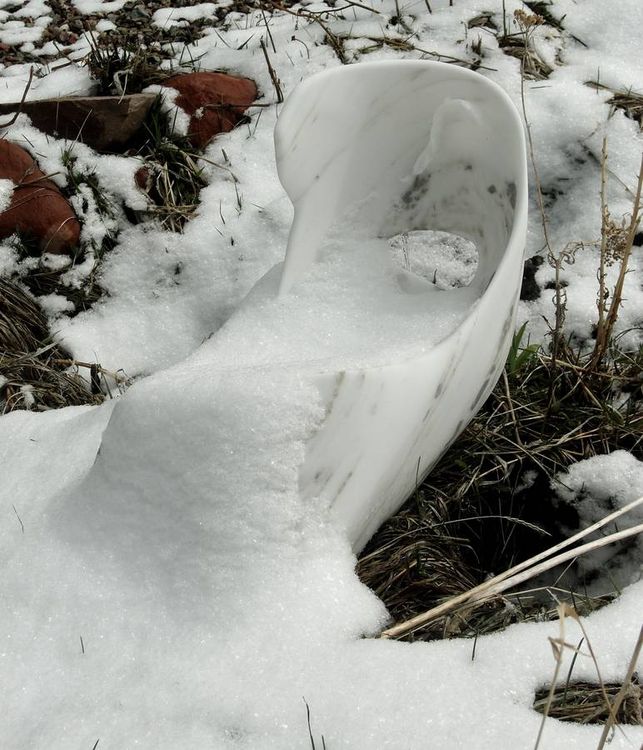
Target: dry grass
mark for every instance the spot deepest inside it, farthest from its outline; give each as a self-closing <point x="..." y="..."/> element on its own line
<point x="34" y="372"/>
<point x="176" y="171"/>
<point x="584" y="702"/>
<point x="415" y="560"/>
<point x="123" y="69"/>
<point x="629" y="102"/>
<point x="42" y="280"/>
<point x="23" y="327"/>
<point x="520" y="44"/>
<point x="575" y="698"/>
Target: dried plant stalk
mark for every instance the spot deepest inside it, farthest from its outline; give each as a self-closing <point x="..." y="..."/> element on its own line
<point x="522" y="572"/>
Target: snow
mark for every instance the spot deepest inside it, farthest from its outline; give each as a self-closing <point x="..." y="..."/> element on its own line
<point x="105" y="25"/>
<point x="617" y="477"/>
<point x="8" y="260"/>
<point x="55" y="304"/>
<point x="26" y="392"/>
<point x="168" y="17"/>
<point x="15" y="32"/>
<point x="178" y="117"/>
<point x="165" y="586"/>
<point x="98" y="6"/>
<point x="68" y="80"/>
<point x="596" y="487"/>
<point x="191" y="564"/>
<point x="6" y="191"/>
<point x="32" y="9"/>
<point x="446" y="260"/>
<point x="354" y="310"/>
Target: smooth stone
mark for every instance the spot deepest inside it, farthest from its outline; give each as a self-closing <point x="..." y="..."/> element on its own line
<point x="37" y="207"/>
<point x="216" y="102"/>
<point x="102" y="122"/>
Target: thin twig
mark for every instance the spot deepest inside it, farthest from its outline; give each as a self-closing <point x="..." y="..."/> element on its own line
<point x="601" y="682"/>
<point x="22" y="101"/>
<point x="622" y="692"/>
<point x="505" y="381"/>
<point x="600" y="328"/>
<point x="267" y="25"/>
<point x="350" y="3"/>
<point x="22" y="526"/>
<point x="557" y="645"/>
<point x="273" y="75"/>
<point x="545" y="226"/>
<point x="579" y="369"/>
<point x="89" y="365"/>
<point x="615" y="303"/>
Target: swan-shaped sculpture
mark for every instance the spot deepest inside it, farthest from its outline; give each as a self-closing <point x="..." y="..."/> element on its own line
<point x="366" y="153"/>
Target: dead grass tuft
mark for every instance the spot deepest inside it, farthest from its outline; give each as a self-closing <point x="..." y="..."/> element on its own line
<point x="23" y="327"/>
<point x="36" y="373"/>
<point x="584" y="702"/>
<point x="629" y="102"/>
<point x="175" y="169"/>
<point x="416" y="559"/>
<point x="520" y="44"/>
<point x="487" y="505"/>
<point x="120" y="70"/>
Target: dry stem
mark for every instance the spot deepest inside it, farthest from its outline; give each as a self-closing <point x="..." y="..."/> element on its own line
<point x="521" y="572"/>
<point x="622" y="692"/>
<point x="606" y="324"/>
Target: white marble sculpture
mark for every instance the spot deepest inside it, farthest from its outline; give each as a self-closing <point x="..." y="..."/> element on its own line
<point x="389" y="366"/>
<point x="368" y="152"/>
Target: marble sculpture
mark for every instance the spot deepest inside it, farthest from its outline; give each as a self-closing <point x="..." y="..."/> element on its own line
<point x="371" y="369"/>
<point x="372" y="151"/>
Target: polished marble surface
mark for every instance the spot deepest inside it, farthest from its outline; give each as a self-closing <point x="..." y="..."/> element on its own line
<point x="372" y="151"/>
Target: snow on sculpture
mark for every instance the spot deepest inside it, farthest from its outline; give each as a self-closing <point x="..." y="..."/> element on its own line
<point x="365" y="153"/>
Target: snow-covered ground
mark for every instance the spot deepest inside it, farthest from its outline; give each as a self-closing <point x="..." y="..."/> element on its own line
<point x="163" y="583"/>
